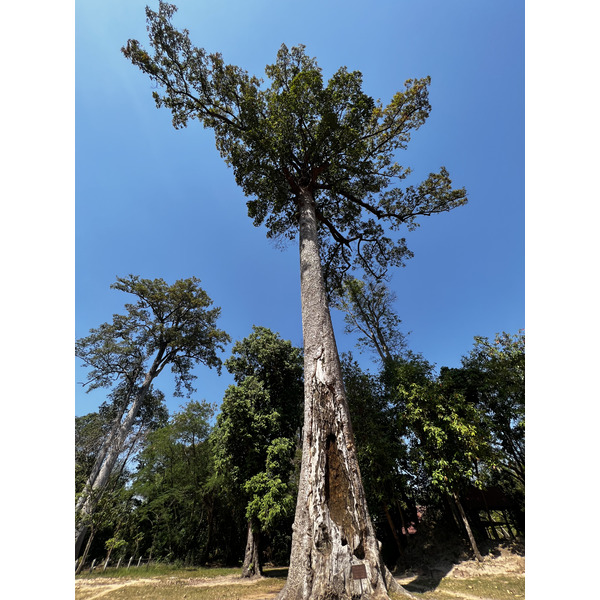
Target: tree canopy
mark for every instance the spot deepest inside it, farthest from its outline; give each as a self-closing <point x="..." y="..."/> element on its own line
<point x="173" y="485"/>
<point x="168" y="325"/>
<point x="301" y="132"/>
<point x="368" y="309"/>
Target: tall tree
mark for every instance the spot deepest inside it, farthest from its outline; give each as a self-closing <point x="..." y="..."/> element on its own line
<point x="257" y="431"/>
<point x="90" y="432"/>
<point x="151" y="414"/>
<point x="168" y="325"/>
<point x="318" y="162"/>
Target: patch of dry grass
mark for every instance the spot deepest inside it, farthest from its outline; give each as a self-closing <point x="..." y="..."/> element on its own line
<point x="158" y="570"/>
<point x="491" y="587"/>
<point x="226" y="584"/>
<point x="260" y="589"/>
<point x="218" y="587"/>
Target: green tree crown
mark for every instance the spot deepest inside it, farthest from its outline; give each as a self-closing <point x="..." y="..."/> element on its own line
<point x="299" y="132"/>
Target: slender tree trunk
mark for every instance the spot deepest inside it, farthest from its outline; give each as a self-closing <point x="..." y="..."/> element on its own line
<point x="454" y="512"/>
<point x="393" y="528"/>
<point x="252" y="566"/>
<point x="332" y="529"/>
<point x="403" y="524"/>
<point x="106" y="445"/>
<point x="86" y="510"/>
<point x="85" y="552"/>
<point x="489" y="516"/>
<point x="465" y="521"/>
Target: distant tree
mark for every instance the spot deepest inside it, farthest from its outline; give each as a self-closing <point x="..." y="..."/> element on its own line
<point x="96" y="433"/>
<point x="446" y="439"/>
<point x="368" y="308"/>
<point x="257" y="432"/>
<point x="271" y="491"/>
<point x="278" y="365"/>
<point x="318" y="162"/>
<point x="110" y="516"/>
<point x="168" y="325"/>
<point x="497" y="377"/>
<point x="492" y="378"/>
<point x="172" y="484"/>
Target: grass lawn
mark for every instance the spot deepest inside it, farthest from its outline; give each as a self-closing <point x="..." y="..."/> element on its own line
<point x="158" y="570"/>
<point x="167" y="582"/>
<point x="164" y="582"/>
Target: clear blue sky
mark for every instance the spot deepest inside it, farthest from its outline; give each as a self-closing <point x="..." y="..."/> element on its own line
<point x="159" y="203"/>
<point x="156" y="202"/>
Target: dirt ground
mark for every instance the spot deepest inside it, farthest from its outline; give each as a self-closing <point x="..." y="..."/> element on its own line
<point x="502" y="562"/>
<point x="98" y="587"/>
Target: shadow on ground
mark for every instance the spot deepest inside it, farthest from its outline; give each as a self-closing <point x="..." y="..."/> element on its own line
<point x="427" y="581"/>
<point x="431" y="567"/>
<point x="275" y="572"/>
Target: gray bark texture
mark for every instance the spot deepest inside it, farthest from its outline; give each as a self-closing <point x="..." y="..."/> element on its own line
<point x="104" y="448"/>
<point x="332" y="528"/>
<point x="95" y="486"/>
<point x="252" y="566"/>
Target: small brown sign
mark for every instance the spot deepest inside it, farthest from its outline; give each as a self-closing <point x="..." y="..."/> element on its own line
<point x="359" y="571"/>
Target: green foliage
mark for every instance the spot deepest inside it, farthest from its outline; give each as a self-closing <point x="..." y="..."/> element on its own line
<point x="168" y="325"/>
<point x="245" y="425"/>
<point x="299" y="132"/>
<point x="257" y="428"/>
<point x="492" y="378"/>
<point x="278" y="366"/>
<point x="271" y="492"/>
<point x="176" y="501"/>
<point x="381" y="449"/>
<point x="447" y="437"/>
<point x="115" y="543"/>
<point x="195" y="486"/>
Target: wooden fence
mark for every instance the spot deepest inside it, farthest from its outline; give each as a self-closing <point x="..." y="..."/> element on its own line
<point x="103" y="564"/>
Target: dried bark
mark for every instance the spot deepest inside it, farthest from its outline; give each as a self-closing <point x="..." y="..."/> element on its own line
<point x="332" y="529"/>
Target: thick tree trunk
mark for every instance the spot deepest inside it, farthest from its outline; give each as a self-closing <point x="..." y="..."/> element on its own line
<point x="88" y="504"/>
<point x="465" y="521"/>
<point x="252" y="566"/>
<point x="332" y="529"/>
